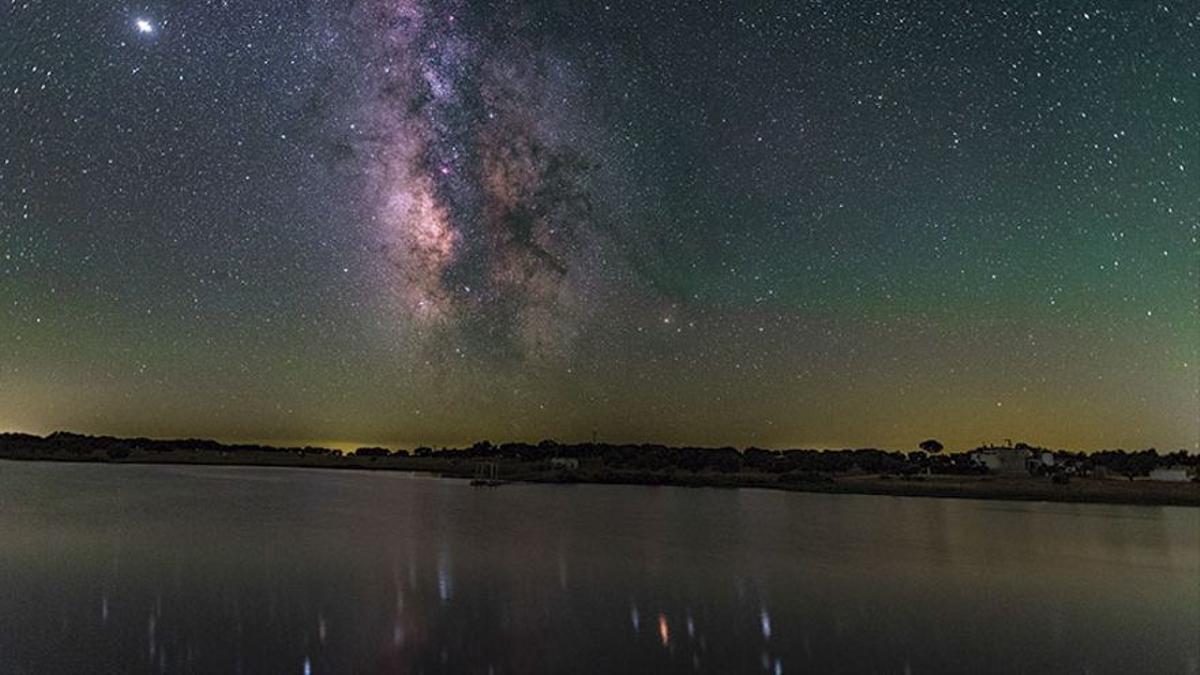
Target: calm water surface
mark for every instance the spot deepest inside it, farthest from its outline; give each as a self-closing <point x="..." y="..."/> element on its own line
<point x="255" y="570"/>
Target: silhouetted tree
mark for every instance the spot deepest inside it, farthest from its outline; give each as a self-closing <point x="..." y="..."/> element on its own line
<point x="931" y="446"/>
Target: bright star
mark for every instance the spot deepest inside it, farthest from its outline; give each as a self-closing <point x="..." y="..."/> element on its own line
<point x="144" y="26"/>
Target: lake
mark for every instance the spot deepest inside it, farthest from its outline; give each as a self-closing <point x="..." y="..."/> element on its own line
<point x="121" y="568"/>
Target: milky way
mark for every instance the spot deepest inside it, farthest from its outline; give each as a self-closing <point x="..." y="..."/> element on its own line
<point x="479" y="200"/>
<point x="436" y="221"/>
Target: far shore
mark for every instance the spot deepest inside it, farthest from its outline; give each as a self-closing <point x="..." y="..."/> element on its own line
<point x="1139" y="491"/>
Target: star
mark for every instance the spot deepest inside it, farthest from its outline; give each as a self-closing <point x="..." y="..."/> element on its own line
<point x="144" y="26"/>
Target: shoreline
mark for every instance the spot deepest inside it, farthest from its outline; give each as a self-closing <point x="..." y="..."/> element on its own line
<point x="1141" y="492"/>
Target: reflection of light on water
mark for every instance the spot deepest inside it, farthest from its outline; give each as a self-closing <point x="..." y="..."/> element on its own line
<point x="445" y="583"/>
<point x="664" y="630"/>
<point x="321" y="629"/>
<point x="307" y="666"/>
<point x="778" y="666"/>
<point x="635" y="618"/>
<point x="764" y="621"/>
<point x="104" y="609"/>
<point x="398" y="634"/>
<point x="691" y="626"/>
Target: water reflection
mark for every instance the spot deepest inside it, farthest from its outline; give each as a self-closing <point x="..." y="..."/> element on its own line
<point x="262" y="570"/>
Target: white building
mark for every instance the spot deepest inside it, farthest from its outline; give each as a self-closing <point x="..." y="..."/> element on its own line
<point x="1040" y="463"/>
<point x="564" y="462"/>
<point x="1003" y="459"/>
<point x="1174" y="474"/>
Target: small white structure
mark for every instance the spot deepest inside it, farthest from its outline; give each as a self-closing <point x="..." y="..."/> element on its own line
<point x="1174" y="474"/>
<point x="1003" y="459"/>
<point x="564" y="462"/>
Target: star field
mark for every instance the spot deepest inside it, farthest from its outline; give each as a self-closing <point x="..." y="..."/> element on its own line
<point x="792" y="224"/>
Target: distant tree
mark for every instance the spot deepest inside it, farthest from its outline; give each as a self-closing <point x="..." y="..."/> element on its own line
<point x="372" y="452"/>
<point x="763" y="460"/>
<point x="1139" y="463"/>
<point x="931" y="446"/>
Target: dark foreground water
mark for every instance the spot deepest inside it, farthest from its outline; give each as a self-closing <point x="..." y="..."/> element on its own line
<point x="248" y="570"/>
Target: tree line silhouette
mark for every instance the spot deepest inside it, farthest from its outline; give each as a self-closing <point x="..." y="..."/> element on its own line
<point x="791" y="464"/>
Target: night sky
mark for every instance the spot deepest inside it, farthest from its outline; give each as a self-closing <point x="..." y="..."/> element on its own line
<point x="799" y="224"/>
